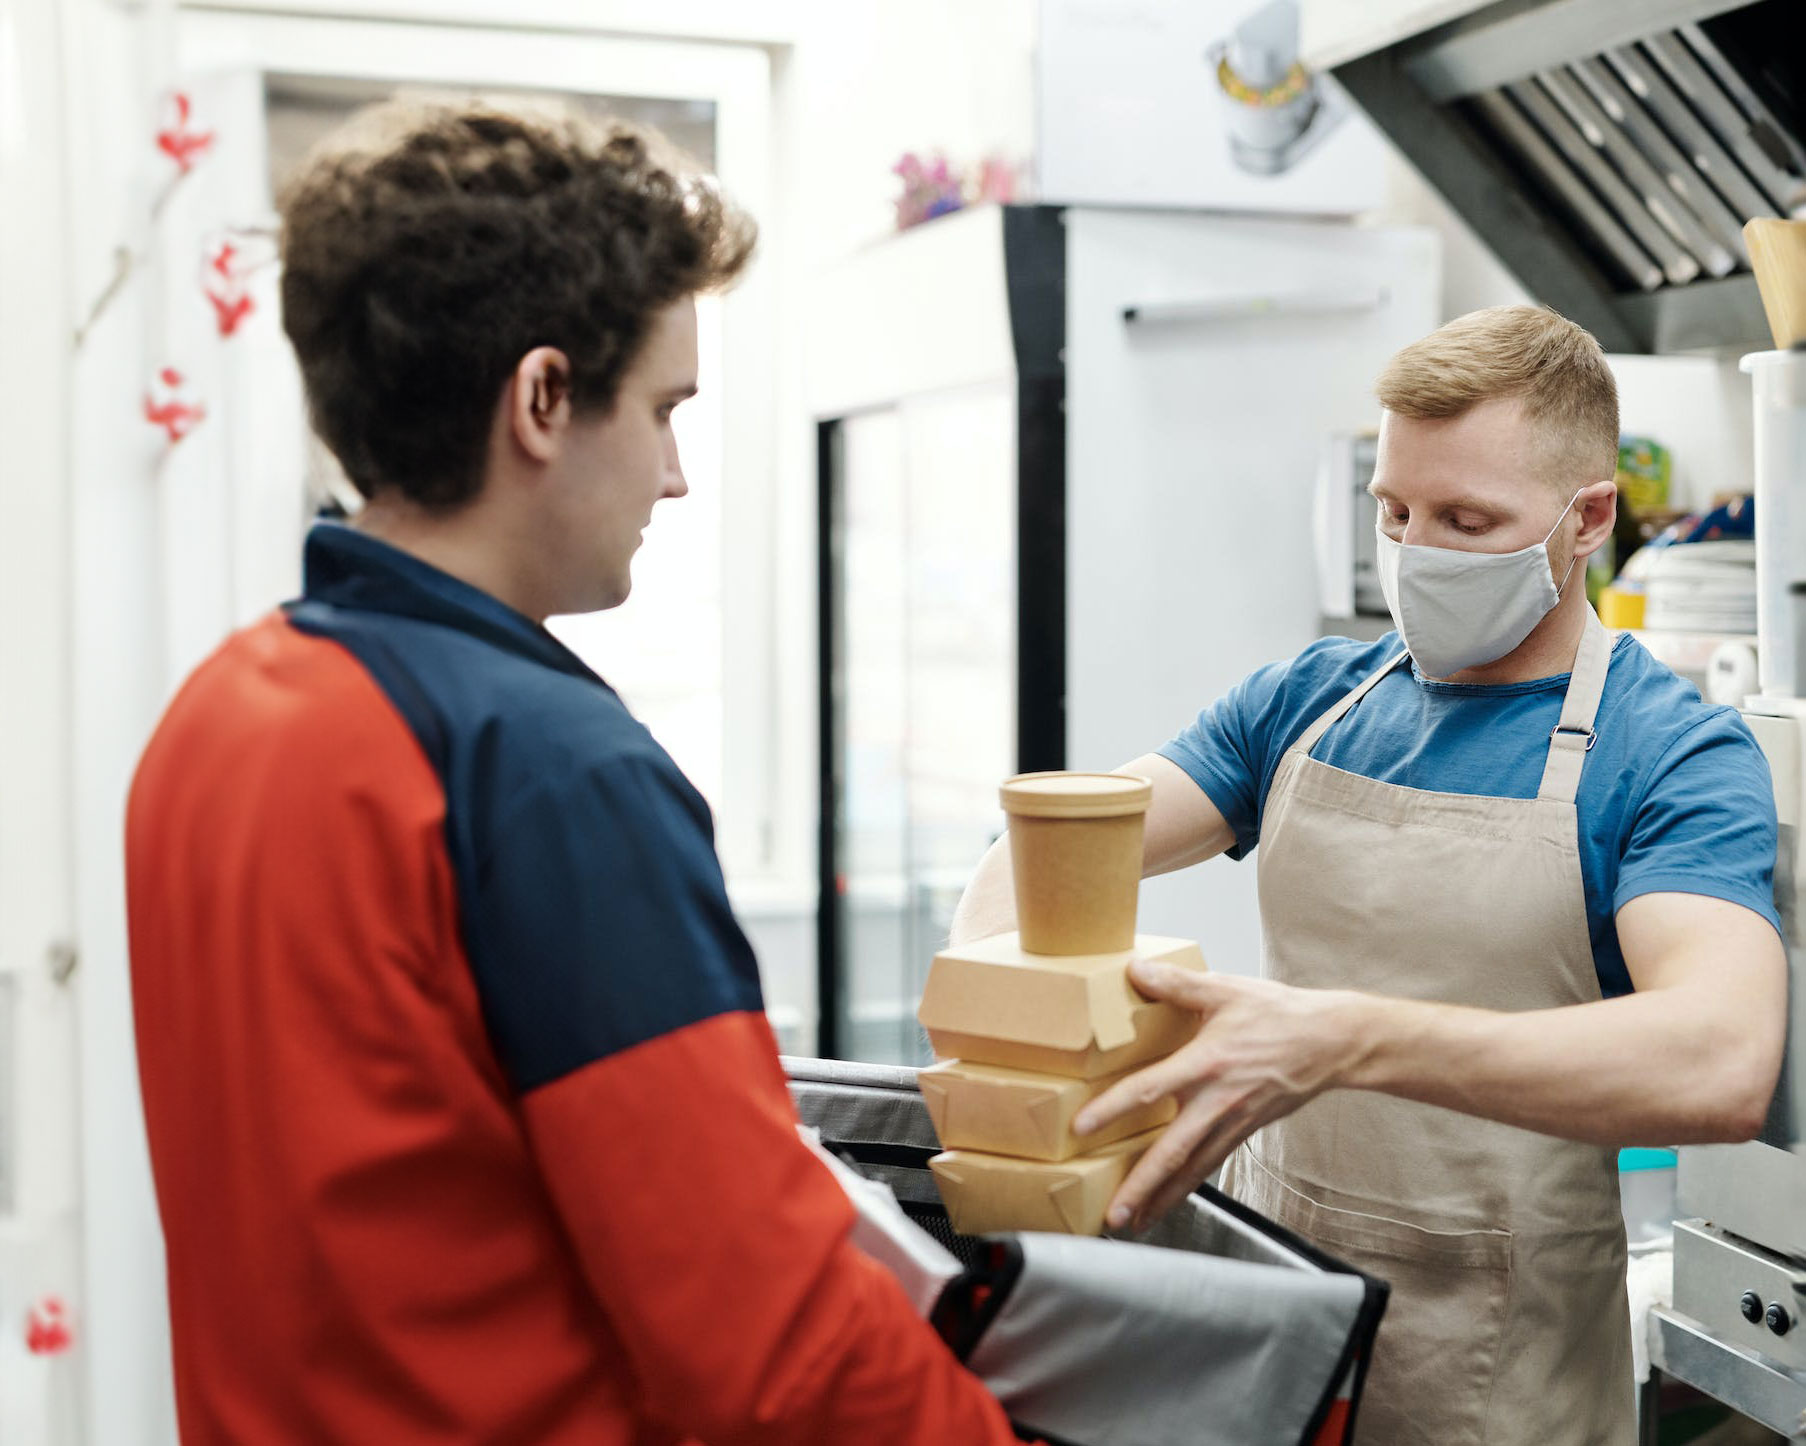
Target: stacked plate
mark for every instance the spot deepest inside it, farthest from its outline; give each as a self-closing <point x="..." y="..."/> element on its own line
<point x="1701" y="587"/>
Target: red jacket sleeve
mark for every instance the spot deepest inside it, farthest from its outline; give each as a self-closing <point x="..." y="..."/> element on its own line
<point x="717" y="1244"/>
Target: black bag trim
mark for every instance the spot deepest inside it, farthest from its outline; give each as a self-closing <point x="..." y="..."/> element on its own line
<point x="975" y="1297"/>
<point x="871" y="1152"/>
<point x="1358" y="1348"/>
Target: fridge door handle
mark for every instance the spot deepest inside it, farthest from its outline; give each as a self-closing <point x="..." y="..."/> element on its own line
<point x="1244" y="306"/>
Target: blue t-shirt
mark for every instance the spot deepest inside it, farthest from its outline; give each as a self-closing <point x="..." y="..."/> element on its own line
<point x="1675" y="796"/>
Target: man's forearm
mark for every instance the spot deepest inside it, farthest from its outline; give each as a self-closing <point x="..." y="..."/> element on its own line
<point x="988" y="906"/>
<point x="1691" y="1057"/>
<point x="1669" y="1067"/>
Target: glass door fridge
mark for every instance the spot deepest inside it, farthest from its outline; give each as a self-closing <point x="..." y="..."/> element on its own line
<point x="920" y="579"/>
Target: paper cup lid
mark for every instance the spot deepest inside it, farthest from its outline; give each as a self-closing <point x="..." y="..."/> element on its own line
<point x="1076" y="795"/>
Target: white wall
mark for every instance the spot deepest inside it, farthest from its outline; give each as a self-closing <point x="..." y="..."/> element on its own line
<point x="1472" y="277"/>
<point x="39" y="1167"/>
<point x="877" y="79"/>
<point x="112" y="60"/>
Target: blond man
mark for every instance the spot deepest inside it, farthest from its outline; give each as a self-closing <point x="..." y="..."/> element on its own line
<point x="1516" y="897"/>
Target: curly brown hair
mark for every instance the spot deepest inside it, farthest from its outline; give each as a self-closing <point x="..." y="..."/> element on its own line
<point x="427" y="249"/>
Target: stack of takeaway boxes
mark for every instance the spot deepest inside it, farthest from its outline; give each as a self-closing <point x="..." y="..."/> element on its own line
<point x="1033" y="1025"/>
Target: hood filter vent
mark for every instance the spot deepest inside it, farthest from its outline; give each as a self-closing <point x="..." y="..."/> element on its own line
<point x="1657" y="152"/>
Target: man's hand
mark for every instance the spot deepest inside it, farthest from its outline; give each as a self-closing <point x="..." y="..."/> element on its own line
<point x="1262" y="1050"/>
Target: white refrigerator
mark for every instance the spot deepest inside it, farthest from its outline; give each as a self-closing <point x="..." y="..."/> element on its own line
<point x="1067" y="466"/>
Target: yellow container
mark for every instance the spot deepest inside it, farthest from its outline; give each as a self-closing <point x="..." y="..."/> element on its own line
<point x="1621" y="608"/>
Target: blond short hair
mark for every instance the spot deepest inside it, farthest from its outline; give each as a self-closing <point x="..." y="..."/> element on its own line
<point x="1555" y="369"/>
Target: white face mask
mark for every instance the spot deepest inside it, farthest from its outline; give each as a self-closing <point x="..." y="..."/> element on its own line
<point x="1458" y="609"/>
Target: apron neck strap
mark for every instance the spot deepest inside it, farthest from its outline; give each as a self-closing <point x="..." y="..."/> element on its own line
<point x="1574" y="737"/>
<point x="1309" y="738"/>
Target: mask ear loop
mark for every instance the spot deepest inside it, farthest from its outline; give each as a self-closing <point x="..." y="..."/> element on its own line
<point x="1562" y="586"/>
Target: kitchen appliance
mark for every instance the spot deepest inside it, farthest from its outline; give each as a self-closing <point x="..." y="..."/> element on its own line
<point x="1066" y="469"/>
<point x="1274" y="109"/>
<point x="1348" y="574"/>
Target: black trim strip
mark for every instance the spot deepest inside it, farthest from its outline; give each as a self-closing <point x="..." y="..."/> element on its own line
<point x="874" y="1152"/>
<point x="1357" y="1349"/>
<point x="1034" y="249"/>
<point x="829" y="925"/>
<point x="972" y="1300"/>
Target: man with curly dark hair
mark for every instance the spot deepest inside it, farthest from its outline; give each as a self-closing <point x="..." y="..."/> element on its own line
<point x="466" y="1120"/>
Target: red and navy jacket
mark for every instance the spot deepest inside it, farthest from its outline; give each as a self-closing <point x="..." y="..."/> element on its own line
<point x="465" y="1118"/>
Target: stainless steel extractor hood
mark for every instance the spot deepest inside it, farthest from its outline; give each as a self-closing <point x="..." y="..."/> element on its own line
<point x="1608" y="151"/>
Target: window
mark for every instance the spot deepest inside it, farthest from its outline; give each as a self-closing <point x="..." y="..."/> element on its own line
<point x="672" y="649"/>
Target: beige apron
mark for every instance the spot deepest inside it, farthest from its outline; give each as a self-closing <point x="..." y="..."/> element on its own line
<point x="1508" y="1322"/>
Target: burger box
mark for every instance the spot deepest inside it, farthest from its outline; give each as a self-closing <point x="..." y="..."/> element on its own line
<point x="987" y="1193"/>
<point x="1067" y="1014"/>
<point x="1014" y="1112"/>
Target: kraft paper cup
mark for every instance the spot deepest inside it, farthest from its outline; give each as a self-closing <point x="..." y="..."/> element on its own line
<point x="1075" y="846"/>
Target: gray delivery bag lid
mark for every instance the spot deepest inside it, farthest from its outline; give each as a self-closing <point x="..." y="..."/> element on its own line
<point x="1215" y="1328"/>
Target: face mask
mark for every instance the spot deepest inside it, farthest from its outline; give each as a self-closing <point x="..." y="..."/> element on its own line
<point x="1457" y="609"/>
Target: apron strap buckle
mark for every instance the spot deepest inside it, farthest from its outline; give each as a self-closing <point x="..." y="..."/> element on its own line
<point x="1587" y="733"/>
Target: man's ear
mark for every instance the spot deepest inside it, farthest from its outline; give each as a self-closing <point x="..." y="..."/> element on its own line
<point x="538" y="402"/>
<point x="1597" y="505"/>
